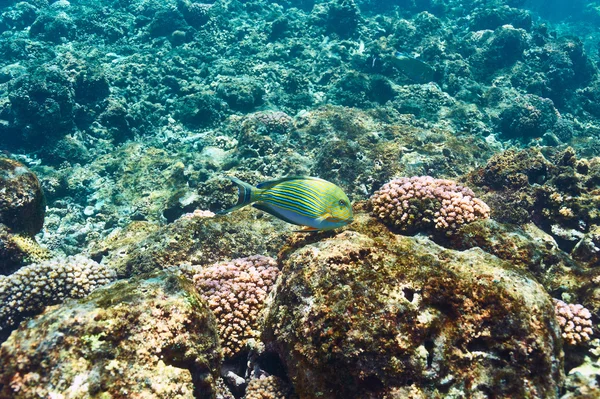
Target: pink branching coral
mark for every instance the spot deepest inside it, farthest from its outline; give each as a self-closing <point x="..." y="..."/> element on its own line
<point x="422" y="202"/>
<point x="236" y="292"/>
<point x="575" y="322"/>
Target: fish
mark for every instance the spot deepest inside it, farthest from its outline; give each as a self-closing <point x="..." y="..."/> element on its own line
<point x="415" y="69"/>
<point x="306" y="201"/>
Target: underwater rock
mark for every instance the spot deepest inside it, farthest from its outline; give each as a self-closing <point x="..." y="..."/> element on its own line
<point x="528" y="117"/>
<point x="149" y="337"/>
<point x="198" y="239"/>
<point x="555" y="190"/>
<point x="55" y="26"/>
<point x="563" y="129"/>
<point x="423" y="101"/>
<point x="340" y="17"/>
<point x="270" y="387"/>
<point x="242" y="93"/>
<point x="67" y="149"/>
<point x="21" y="15"/>
<point x="41" y="107"/>
<point x="589" y="98"/>
<point x="567" y="66"/>
<point x="359" y="90"/>
<point x="361" y="317"/>
<point x="527" y="248"/>
<point x="489" y="52"/>
<point x="513" y="170"/>
<point x="505" y="47"/>
<point x="117" y="120"/>
<point x="560" y="69"/>
<point x="588" y="248"/>
<point x="11" y="257"/>
<point x="166" y="21"/>
<point x="494" y="17"/>
<point x="22" y="203"/>
<point x="582" y="381"/>
<point x="120" y="239"/>
<point x="195" y="14"/>
<point x="90" y="87"/>
<point x="362" y="150"/>
<point x="199" y="109"/>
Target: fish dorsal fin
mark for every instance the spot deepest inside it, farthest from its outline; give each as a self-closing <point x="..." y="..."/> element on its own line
<point x="270" y="183"/>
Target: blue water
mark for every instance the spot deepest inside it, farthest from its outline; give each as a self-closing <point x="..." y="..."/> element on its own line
<point x="133" y="112"/>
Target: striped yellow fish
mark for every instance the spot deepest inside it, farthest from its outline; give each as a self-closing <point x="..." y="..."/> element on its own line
<point x="306" y="201"/>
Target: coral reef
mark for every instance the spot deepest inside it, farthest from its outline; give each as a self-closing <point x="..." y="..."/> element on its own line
<point x="236" y="291"/>
<point x="196" y="240"/>
<point x="133" y="113"/>
<point x="556" y="191"/>
<point x="31" y="288"/>
<point x="575" y="322"/>
<point x="422" y="202"/>
<point x="152" y="337"/>
<point x="357" y="317"/>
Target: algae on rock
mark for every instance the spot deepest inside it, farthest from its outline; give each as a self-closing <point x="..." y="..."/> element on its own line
<point x="370" y="317"/>
<point x="151" y="336"/>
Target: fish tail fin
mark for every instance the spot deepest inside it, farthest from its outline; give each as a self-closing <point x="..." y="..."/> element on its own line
<point x="246" y="195"/>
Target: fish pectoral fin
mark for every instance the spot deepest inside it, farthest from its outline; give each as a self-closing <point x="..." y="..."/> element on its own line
<point x="328" y="217"/>
<point x="325" y="216"/>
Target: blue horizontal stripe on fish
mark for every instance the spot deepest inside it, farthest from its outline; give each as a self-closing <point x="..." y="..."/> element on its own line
<point x="300" y="197"/>
<point x="294" y="198"/>
<point x="290" y="204"/>
<point x="308" y="193"/>
<point x="319" y="192"/>
<point x="300" y="190"/>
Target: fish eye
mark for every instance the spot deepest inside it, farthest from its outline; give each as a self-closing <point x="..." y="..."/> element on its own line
<point x="342" y="202"/>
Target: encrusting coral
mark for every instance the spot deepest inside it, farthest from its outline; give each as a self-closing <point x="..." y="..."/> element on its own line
<point x="421" y="202"/>
<point x="575" y="322"/>
<point x="17" y="250"/>
<point x="32" y="251"/>
<point x="270" y="387"/>
<point x="31" y="288"/>
<point x="236" y="291"/>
